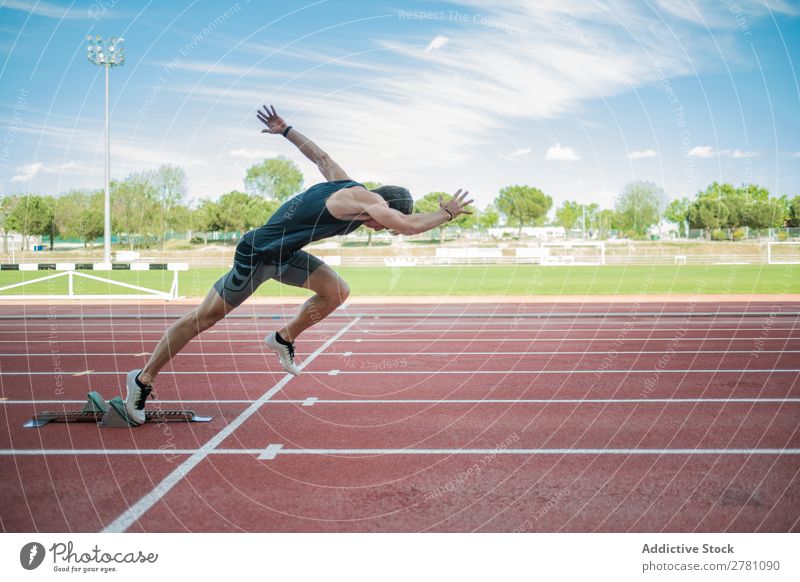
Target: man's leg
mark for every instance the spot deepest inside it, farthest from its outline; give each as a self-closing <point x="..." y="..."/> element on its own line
<point x="209" y="312"/>
<point x="330" y="291"/>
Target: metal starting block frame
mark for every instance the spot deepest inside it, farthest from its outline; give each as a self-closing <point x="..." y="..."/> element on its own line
<point x="111" y="414"/>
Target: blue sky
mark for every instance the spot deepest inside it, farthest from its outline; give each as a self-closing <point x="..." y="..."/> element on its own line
<point x="574" y="97"/>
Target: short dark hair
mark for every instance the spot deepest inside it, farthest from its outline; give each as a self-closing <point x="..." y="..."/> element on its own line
<point x="398" y="198"/>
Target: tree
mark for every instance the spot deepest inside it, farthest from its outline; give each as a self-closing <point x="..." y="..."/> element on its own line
<point x="31" y="216"/>
<point x="734" y="200"/>
<point x="82" y="213"/>
<point x="7" y="204"/>
<point x="169" y="184"/>
<point x="204" y="218"/>
<point x="639" y="206"/>
<point x="606" y="221"/>
<point x="794" y="211"/>
<point x="523" y="205"/>
<point x="677" y="211"/>
<point x="276" y="179"/>
<point x="567" y="214"/>
<point x="708" y="213"/>
<point x="135" y="208"/>
<point x="488" y="217"/>
<point x="231" y="214"/>
<point x="763" y="214"/>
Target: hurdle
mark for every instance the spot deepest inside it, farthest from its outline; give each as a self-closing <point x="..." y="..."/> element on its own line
<point x="72" y="270"/>
<point x="111" y="414"/>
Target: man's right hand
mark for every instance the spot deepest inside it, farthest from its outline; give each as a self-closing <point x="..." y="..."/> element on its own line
<point x="457" y="204"/>
<point x="273" y="121"/>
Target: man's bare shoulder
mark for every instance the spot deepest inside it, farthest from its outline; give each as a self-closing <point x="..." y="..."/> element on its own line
<point x="356" y="193"/>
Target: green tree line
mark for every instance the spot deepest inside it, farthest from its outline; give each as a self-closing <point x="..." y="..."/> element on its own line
<point x="147" y="206"/>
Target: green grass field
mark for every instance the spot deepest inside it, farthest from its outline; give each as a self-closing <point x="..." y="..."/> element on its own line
<point x="469" y="281"/>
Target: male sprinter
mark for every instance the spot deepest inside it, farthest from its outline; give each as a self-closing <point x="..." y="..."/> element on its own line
<point x="273" y="251"/>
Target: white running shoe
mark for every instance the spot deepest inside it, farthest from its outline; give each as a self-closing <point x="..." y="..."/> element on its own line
<point x="285" y="353"/>
<point x="134" y="401"/>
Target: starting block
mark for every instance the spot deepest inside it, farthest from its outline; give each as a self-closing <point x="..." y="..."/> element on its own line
<point x="111" y="414"/>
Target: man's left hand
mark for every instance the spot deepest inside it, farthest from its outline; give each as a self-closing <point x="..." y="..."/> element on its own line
<point x="273" y="121"/>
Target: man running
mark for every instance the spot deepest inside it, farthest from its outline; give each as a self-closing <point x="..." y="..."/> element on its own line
<point x="273" y="251"/>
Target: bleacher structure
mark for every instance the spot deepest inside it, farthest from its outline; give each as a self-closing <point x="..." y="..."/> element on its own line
<point x="73" y="270"/>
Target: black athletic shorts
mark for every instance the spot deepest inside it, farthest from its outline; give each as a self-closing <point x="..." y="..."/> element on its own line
<point x="243" y="279"/>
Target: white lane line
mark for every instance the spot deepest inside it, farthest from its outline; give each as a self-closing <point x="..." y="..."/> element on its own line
<point x="129" y="517"/>
<point x="422" y="327"/>
<point x="539" y="452"/>
<point x="558" y="401"/>
<point x="270" y="452"/>
<point x="540" y="339"/>
<point x="425" y="353"/>
<point x="162" y="320"/>
<point x="312" y="400"/>
<point x="278" y="450"/>
<point x="83" y="373"/>
<point x="434" y="372"/>
<point x="534" y="372"/>
<point x="82" y="452"/>
<point x="540" y="353"/>
<point x="99" y="335"/>
<point x="472" y="340"/>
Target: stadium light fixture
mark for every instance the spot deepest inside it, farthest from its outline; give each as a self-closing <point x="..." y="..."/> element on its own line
<point x="106" y="53"/>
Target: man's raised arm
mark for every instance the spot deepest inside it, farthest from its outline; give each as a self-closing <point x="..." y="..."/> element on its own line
<point x="400" y="223"/>
<point x="275" y="124"/>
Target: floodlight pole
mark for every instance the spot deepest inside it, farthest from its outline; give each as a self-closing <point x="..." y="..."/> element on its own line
<point x="107" y="202"/>
<point x="106" y="53"/>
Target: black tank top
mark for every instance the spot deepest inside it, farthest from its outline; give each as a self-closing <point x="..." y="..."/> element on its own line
<point x="298" y="222"/>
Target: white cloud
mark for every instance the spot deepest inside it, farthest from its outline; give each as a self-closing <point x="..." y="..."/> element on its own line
<point x="738" y="154"/>
<point x="640" y="154"/>
<point x="715" y="14"/>
<point x="794" y="154"/>
<point x="437" y="43"/>
<point x="701" y="152"/>
<point x="252" y="154"/>
<point x="557" y="152"/>
<point x="492" y="81"/>
<point x="520" y="152"/>
<point x="710" y="152"/>
<point x="439" y="110"/>
<point x="27" y="172"/>
<point x="210" y="67"/>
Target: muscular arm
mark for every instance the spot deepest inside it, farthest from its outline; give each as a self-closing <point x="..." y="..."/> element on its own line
<point x="377" y="208"/>
<point x="275" y="124"/>
<point x="329" y="169"/>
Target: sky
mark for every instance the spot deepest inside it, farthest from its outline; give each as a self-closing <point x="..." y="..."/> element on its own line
<point x="577" y="98"/>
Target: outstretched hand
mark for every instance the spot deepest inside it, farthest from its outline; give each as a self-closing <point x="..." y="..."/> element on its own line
<point x="273" y="121"/>
<point x="457" y="204"/>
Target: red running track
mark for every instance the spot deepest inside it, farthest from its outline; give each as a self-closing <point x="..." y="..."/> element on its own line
<point x="623" y="417"/>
